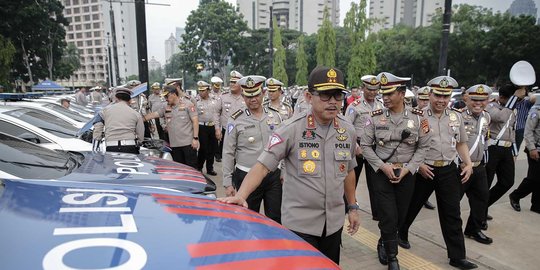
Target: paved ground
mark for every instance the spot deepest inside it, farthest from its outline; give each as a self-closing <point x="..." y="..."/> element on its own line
<point x="516" y="236"/>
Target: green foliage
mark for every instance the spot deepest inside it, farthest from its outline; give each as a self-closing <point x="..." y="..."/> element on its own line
<point x="132" y="77"/>
<point x="326" y="42"/>
<point x="156" y="75"/>
<point x="213" y="35"/>
<point x="7" y="50"/>
<point x="69" y="62"/>
<point x="278" y="66"/>
<point x="301" y="63"/>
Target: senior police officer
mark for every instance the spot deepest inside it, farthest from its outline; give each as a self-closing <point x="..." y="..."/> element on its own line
<point x="275" y="89"/>
<point x="532" y="147"/>
<point x="439" y="172"/>
<point x="228" y="103"/>
<point x="358" y="112"/>
<point x="318" y="149"/>
<point x="476" y="122"/>
<point x="394" y="129"/>
<point x="182" y="126"/>
<point x="123" y="126"/>
<point x="208" y="118"/>
<point x="247" y="133"/>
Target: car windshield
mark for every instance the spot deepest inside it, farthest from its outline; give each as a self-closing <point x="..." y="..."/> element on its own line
<point x="71" y="114"/>
<point x="47" y="122"/>
<point x="27" y="160"/>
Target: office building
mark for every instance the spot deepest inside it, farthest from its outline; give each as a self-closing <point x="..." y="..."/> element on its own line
<point x="415" y="13"/>
<point x="523" y="7"/>
<point x="154" y="64"/>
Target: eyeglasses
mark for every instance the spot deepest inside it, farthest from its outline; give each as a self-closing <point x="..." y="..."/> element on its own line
<point x="326" y="95"/>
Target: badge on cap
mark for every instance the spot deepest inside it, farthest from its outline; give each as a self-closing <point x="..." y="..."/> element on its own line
<point x="249" y="82"/>
<point x="309" y="166"/>
<point x="384" y="80"/>
<point x="332" y="75"/>
<point x="315" y="154"/>
<point x="373" y="80"/>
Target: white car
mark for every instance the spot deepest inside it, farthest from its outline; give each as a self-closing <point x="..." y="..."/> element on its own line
<point x="75" y="109"/>
<point x="45" y="121"/>
<point x="40" y="106"/>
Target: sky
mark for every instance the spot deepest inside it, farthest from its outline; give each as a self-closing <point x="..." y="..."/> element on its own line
<point x="161" y="21"/>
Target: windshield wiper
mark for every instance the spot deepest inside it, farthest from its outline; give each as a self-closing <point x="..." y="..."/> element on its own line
<point x="34" y="165"/>
<point x="54" y="130"/>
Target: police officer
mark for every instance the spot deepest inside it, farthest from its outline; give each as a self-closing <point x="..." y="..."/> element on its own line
<point x="318" y="149"/>
<point x="422" y="97"/>
<point x="123" y="127"/>
<point x="248" y="132"/>
<point x="275" y="89"/>
<point x="502" y="148"/>
<point x="95" y="96"/>
<point x="439" y="171"/>
<point x="394" y="142"/>
<point x="177" y="83"/>
<point x="217" y="83"/>
<point x="476" y="122"/>
<point x="155" y="102"/>
<point x="182" y="126"/>
<point x="80" y="97"/>
<point x="208" y="117"/>
<point x="358" y="112"/>
<point x="302" y="105"/>
<point x="532" y="148"/>
<point x="228" y="103"/>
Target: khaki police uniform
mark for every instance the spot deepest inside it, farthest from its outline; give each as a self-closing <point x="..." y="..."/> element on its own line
<point x="285" y="110"/>
<point x="155" y="102"/>
<point x="80" y="98"/>
<point x="477" y="190"/>
<point x="208" y="119"/>
<point x="215" y="91"/>
<point x="448" y="130"/>
<point x="301" y="104"/>
<point x="532" y="141"/>
<point x="96" y="97"/>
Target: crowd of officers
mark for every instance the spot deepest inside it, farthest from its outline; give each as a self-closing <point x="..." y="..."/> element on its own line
<point x="304" y="164"/>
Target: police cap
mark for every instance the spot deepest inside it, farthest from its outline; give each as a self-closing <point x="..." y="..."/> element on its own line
<point x="443" y="85"/>
<point x="423" y="93"/>
<point x="235" y="76"/>
<point x="390" y="82"/>
<point x="273" y="84"/>
<point x="326" y="78"/>
<point x="371" y="82"/>
<point x="169" y="89"/>
<point x="251" y="85"/>
<point x="479" y="92"/>
<point x="122" y="93"/>
<point x="202" y="85"/>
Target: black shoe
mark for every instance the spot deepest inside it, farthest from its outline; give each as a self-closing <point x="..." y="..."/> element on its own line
<point x="212" y="172"/>
<point x="484" y="226"/>
<point x="429" y="205"/>
<point x="404" y="243"/>
<point x="218" y="159"/>
<point x="462" y="264"/>
<point x="514" y="203"/>
<point x="488" y="217"/>
<point x="480" y="237"/>
<point x="381" y="253"/>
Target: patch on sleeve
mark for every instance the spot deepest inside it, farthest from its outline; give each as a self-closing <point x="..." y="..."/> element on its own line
<point x="274" y="140"/>
<point x="368" y="122"/>
<point x="534" y="115"/>
<point x="230" y="128"/>
<point x="351" y="111"/>
<point x="425" y="125"/>
<point x="192" y="108"/>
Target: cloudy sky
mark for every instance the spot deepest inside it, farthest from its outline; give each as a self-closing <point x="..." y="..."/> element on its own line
<point x="161" y="21"/>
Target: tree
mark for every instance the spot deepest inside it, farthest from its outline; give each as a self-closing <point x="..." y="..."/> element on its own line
<point x="301" y="63"/>
<point x="69" y="62"/>
<point x="362" y="60"/>
<point x="7" y="50"/>
<point x="213" y="35"/>
<point x="279" y="71"/>
<point x="156" y="75"/>
<point x="326" y="42"/>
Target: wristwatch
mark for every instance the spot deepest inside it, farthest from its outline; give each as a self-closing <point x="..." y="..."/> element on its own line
<point x="354" y="206"/>
<point x="196" y="138"/>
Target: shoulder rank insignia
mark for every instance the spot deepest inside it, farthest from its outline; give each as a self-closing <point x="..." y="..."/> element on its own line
<point x="356" y="102"/>
<point x="376" y="112"/>
<point x="457" y="110"/>
<point x="236" y="114"/>
<point x="272" y="108"/>
<point x="417" y="111"/>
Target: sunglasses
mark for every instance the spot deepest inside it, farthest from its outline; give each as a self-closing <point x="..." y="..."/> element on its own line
<point x="326" y="95"/>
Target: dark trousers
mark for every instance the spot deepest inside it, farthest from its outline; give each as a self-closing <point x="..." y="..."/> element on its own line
<point x="185" y="155"/>
<point x="500" y="162"/>
<point x="132" y="149"/>
<point x="369" y="181"/>
<point x="329" y="245"/>
<point x="447" y="188"/>
<point x="269" y="190"/>
<point x="530" y="184"/>
<point x="219" y="149"/>
<point x="519" y="137"/>
<point x="477" y="191"/>
<point x="393" y="202"/>
<point x="207" y="139"/>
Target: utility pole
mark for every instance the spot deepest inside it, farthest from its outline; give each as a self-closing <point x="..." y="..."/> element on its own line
<point x="109" y="60"/>
<point x="140" y="22"/>
<point x="115" y="50"/>
<point x="443" y="53"/>
<point x="271" y="43"/>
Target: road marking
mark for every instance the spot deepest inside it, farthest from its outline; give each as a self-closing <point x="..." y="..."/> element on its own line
<point x="406" y="258"/>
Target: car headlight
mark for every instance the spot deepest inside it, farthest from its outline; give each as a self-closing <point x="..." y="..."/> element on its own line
<point x="151" y="153"/>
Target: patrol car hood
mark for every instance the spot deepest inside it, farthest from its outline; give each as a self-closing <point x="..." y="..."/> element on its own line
<point x="60" y="225"/>
<point x="139" y="170"/>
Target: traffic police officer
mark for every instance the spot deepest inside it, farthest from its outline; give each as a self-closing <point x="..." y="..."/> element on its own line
<point x="358" y="112"/>
<point x="422" y="97"/>
<point x="275" y="89"/>
<point x="439" y="171"/>
<point x="228" y="103"/>
<point x="302" y="105"/>
<point x="123" y="126"/>
<point x="394" y="142"/>
<point x="208" y="118"/>
<point x="182" y="126"/>
<point x="177" y="83"/>
<point x="318" y="148"/>
<point x="532" y="147"/>
<point x="217" y="82"/>
<point x="248" y="132"/>
<point x="476" y="122"/>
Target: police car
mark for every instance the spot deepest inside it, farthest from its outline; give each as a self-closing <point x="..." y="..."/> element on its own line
<point x="22" y="159"/>
<point x="47" y="122"/>
<point x="70" y="225"/>
<point x="74" y="119"/>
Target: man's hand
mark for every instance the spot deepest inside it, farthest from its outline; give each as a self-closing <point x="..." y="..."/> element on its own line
<point x="358" y="150"/>
<point x="404" y="171"/>
<point x="534" y="154"/>
<point x="388" y="170"/>
<point x="195" y="144"/>
<point x="230" y="191"/>
<point x="354" y="221"/>
<point x="426" y="171"/>
<point x="234" y="200"/>
<point x="218" y="134"/>
<point x="466" y="172"/>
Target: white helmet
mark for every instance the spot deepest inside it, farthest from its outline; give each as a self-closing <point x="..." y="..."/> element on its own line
<point x="522" y="74"/>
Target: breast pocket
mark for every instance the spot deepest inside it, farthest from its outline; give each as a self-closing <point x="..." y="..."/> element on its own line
<point x="309" y="162"/>
<point x="453" y="130"/>
<point x="413" y="138"/>
<point x="341" y="162"/>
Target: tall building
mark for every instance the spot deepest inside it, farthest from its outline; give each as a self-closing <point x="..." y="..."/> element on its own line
<point x="523" y="7"/>
<point x="171" y="47"/>
<point x="302" y="15"/>
<point x="154" y="64"/>
<point x="414" y="13"/>
<point x="90" y="31"/>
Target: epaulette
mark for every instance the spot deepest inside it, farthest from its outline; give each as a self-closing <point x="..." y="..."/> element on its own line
<point x="356" y="102"/>
<point x="376" y="112"/>
<point x="236" y="114"/>
<point x="272" y="108"/>
<point x="457" y="110"/>
<point x="417" y="111"/>
<point x="286" y="103"/>
<point x="266" y="102"/>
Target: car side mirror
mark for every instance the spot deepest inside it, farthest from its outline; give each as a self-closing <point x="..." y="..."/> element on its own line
<point x="30" y="137"/>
